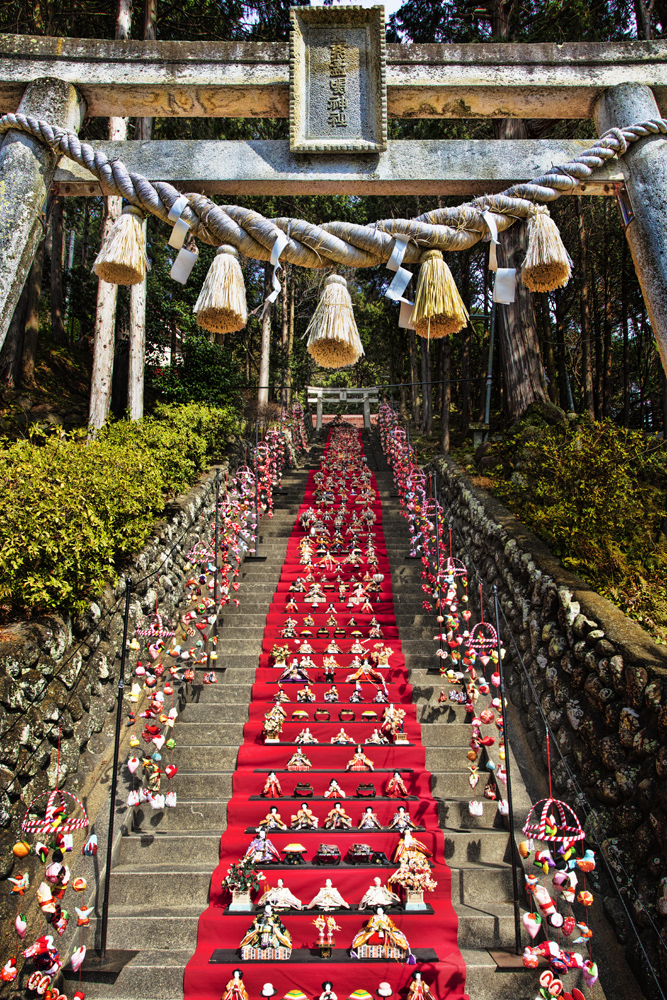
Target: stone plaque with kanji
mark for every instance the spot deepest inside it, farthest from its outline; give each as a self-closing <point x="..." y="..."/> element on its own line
<point x="338" y="90"/>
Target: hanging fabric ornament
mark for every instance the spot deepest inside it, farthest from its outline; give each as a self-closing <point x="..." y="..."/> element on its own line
<point x="333" y="338"/>
<point x="221" y="306"/>
<point x="547" y="265"/>
<point x="122" y="257"/>
<point x="439" y="309"/>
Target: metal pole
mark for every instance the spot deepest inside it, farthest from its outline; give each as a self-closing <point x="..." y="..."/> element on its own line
<point x="217" y="520"/>
<point x="510" y="808"/>
<point x="489" y="367"/>
<point x="437" y="546"/>
<point x="256" y="511"/>
<point x="114" y="772"/>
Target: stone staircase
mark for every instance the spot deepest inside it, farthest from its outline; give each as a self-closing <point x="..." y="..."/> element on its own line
<point x="160" y="881"/>
<point x="476" y="848"/>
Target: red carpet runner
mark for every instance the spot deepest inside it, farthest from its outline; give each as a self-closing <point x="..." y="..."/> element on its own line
<point x="432" y="936"/>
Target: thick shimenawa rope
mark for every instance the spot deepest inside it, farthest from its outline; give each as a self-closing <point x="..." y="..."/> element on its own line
<point x="335" y="243"/>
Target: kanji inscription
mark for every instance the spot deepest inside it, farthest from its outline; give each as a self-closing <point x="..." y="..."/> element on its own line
<point x="338" y="99"/>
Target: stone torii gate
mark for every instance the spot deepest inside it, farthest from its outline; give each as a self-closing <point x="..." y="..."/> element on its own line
<point x="319" y="395"/>
<point x="63" y="80"/>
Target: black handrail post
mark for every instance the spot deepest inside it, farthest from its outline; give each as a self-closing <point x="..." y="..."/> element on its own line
<point x="114" y="772"/>
<point x="510" y="807"/>
<point x="215" y="536"/>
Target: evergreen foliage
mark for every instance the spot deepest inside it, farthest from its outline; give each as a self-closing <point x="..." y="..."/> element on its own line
<point x="72" y="510"/>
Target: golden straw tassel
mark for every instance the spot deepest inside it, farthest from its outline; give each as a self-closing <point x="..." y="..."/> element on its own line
<point x="221" y="306"/>
<point x="122" y="257"/>
<point x="438" y="309"/>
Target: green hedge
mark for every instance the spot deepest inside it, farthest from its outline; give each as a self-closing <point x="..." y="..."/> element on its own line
<point x="71" y="510"/>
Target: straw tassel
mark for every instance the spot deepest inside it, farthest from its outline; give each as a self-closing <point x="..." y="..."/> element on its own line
<point x="333" y="338"/>
<point x="547" y="265"/>
<point x="221" y="306"/>
<point x="438" y="309"/>
<point x="122" y="257"/>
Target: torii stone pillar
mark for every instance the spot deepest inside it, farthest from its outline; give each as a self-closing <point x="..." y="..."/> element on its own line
<point x="26" y="173"/>
<point x="644" y="168"/>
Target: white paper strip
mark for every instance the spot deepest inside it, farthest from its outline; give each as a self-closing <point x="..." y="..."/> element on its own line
<point x="282" y="239"/>
<point x="504" y="287"/>
<point x="493" y="230"/>
<point x="182" y="266"/>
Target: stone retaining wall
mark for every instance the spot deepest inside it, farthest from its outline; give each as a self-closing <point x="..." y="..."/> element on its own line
<point x="601" y="682"/>
<point x="57" y="671"/>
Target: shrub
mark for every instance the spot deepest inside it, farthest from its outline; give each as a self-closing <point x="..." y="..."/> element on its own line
<point x="71" y="510"/>
<point x="596" y="494"/>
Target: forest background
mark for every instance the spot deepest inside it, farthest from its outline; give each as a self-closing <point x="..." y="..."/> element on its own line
<point x="588" y="348"/>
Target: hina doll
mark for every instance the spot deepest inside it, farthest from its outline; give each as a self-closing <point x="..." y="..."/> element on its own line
<point x="369" y="820"/>
<point x="410" y="848"/>
<point x="378" y="895"/>
<point x="305" y="694"/>
<point x="298" y="761"/>
<point x="337" y="818"/>
<point x="261" y="850"/>
<point x="272" y="820"/>
<point x="235" y="990"/>
<point x="418" y="989"/>
<point x="341" y="738"/>
<point x="304" y="818"/>
<point x="381" y="929"/>
<point x="359" y="762"/>
<point x="328" y="898"/>
<point x="393" y="722"/>
<point x="267" y="931"/>
<point x="402" y="821"/>
<point x="305" y="736"/>
<point x="396" y="786"/>
<point x="334" y="790"/>
<point x="279" y="898"/>
<point x="294" y="674"/>
<point x="331" y="696"/>
<point x="272" y="789"/>
<point x="377" y="739"/>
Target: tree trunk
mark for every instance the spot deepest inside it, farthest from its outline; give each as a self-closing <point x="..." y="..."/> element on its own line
<point x="414" y="388"/>
<point x="427" y="402"/>
<point x="516" y="323"/>
<point x="32" y="316"/>
<point x="105" y="324"/>
<point x="626" y="340"/>
<point x="57" y="310"/>
<point x="107" y="295"/>
<point x="548" y="347"/>
<point x="263" y="393"/>
<point x="143" y="127"/>
<point x="137" y="349"/>
<point x="563" y="381"/>
<point x="606" y="342"/>
<point x="12" y="349"/>
<point x="447" y="392"/>
<point x="143" y="130"/>
<point x="586" y="359"/>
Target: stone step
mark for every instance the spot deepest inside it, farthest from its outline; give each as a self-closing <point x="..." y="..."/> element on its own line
<point x="151" y="975"/>
<point x="220" y="733"/>
<point x="188" y="816"/>
<point x="171" y="848"/>
<point x="473" y="883"/>
<point x="490" y="926"/>
<point x="197" y="758"/>
<point x="213" y="714"/>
